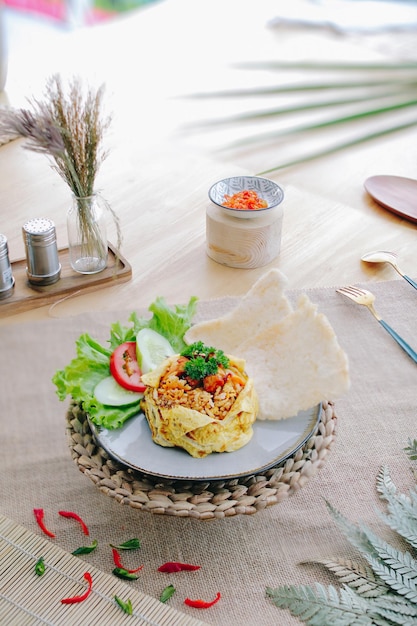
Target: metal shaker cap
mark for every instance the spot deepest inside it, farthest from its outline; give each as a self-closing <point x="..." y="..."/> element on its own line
<point x="39" y="231"/>
<point x="39" y="236"/>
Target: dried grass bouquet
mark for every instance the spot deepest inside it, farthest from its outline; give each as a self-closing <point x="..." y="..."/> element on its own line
<point x="68" y="126"/>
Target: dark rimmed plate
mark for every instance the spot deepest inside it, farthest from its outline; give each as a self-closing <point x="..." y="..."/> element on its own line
<point x="272" y="443"/>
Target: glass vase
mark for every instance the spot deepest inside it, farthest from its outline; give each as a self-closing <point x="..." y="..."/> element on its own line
<point x="87" y="236"/>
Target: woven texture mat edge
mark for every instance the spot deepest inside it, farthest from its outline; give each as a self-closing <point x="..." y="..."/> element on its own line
<point x="200" y="500"/>
<point x="27" y="599"/>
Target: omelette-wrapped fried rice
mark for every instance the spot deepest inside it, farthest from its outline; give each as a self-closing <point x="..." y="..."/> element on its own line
<point x="214" y="414"/>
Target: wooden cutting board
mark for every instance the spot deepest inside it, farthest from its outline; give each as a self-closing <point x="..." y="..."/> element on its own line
<point x="26" y="296"/>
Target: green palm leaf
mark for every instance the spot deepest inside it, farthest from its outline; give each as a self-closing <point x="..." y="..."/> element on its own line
<point x="334" y="121"/>
<point x="359" y="66"/>
<point x="375" y="82"/>
<point x="335" y="102"/>
<point x="341" y="146"/>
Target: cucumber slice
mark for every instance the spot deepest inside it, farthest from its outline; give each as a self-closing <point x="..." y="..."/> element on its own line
<point x="151" y="349"/>
<point x="109" y="392"/>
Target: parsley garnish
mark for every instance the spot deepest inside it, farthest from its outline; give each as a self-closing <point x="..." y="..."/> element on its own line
<point x="203" y="360"/>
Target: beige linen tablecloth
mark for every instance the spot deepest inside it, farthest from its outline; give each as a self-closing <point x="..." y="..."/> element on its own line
<point x="242" y="555"/>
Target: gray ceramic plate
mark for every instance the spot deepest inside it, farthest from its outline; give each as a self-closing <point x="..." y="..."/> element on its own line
<point x="272" y="442"/>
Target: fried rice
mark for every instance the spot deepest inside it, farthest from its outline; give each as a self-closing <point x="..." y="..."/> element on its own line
<point x="212" y="415"/>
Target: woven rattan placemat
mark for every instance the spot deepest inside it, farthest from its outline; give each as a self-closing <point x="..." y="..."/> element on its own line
<point x="201" y="500"/>
<point x="28" y="599"/>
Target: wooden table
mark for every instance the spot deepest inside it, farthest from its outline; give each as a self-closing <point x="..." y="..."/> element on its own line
<point x="160" y="168"/>
<point x="156" y="177"/>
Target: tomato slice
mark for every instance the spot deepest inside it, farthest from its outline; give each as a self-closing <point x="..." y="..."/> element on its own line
<point x="124" y="367"/>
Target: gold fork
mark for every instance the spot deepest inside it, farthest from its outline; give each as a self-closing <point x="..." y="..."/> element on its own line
<point x="366" y="298"/>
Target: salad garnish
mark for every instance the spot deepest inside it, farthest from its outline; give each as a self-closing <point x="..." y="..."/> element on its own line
<point x="92" y="362"/>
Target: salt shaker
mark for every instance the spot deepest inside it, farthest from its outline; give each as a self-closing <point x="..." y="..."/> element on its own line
<point x="43" y="266"/>
<point x="6" y="276"/>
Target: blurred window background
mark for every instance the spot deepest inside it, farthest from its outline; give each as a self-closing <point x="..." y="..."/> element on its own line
<point x="75" y="12"/>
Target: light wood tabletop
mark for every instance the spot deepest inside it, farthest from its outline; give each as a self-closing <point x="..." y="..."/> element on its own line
<point x="164" y="154"/>
<point x="162" y="160"/>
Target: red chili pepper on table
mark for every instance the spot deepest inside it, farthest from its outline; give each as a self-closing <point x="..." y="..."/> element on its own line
<point x="82" y="597"/>
<point x="118" y="563"/>
<point x="201" y="604"/>
<point x="72" y="515"/>
<point x="39" y="515"/>
<point x="175" y="566"/>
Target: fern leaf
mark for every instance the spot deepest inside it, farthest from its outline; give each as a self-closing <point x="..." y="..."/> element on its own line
<point x="402" y="509"/>
<point x="395" y="604"/>
<point x="354" y="534"/>
<point x="394" y="618"/>
<point x="411" y="449"/>
<point x="321" y="607"/>
<point x="396" y="609"/>
<point x="357" y="576"/>
<point x="398" y="582"/>
<point x="395" y="568"/>
<point x="407" y="504"/>
<point x="413" y="495"/>
<point x="402" y="524"/>
<point x="402" y="562"/>
<point x="384" y="485"/>
<point x="388" y="492"/>
<point x="382" y="593"/>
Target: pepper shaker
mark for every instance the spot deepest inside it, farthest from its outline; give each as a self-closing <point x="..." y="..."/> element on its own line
<point x="43" y="266"/>
<point x="6" y="276"/>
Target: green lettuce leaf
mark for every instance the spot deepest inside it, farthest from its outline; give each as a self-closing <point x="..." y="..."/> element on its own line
<point x="83" y="373"/>
<point x="92" y="362"/>
<point x="109" y="416"/>
<point x="170" y="322"/>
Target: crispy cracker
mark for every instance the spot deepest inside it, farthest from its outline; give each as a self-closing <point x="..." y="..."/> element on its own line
<point x="264" y="303"/>
<point x="296" y="363"/>
<point x="292" y="354"/>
